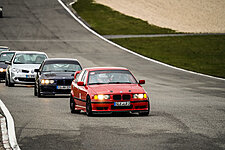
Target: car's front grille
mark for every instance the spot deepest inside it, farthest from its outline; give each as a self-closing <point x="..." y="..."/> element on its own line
<point x="26" y="79"/>
<point x="64" y="82"/>
<point x="119" y="97"/>
<point x="126" y="97"/>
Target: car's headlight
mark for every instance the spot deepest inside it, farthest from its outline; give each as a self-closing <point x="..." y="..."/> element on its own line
<point x="46" y="81"/>
<point x="2" y="70"/>
<point x="15" y="70"/>
<point x="139" y="96"/>
<point x="101" y="97"/>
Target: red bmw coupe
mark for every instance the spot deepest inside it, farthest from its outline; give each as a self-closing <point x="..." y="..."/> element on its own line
<point x="107" y="90"/>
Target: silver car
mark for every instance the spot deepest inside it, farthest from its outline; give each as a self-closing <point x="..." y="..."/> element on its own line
<point x="21" y="68"/>
<point x="3" y="48"/>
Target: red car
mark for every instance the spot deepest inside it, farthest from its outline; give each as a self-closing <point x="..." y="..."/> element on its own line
<point x="107" y="90"/>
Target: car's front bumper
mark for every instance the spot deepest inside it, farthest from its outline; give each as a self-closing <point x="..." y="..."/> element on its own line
<point x="23" y="78"/>
<point x="108" y="107"/>
<point x="52" y="90"/>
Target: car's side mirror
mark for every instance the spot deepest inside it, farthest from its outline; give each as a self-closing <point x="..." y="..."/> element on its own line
<point x="8" y="62"/>
<point x="80" y="83"/>
<point x="36" y="70"/>
<point x="141" y="81"/>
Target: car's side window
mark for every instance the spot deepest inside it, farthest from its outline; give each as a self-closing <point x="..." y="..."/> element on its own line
<point x="77" y="76"/>
<point x="41" y="67"/>
<point x="84" y="77"/>
<point x="81" y="75"/>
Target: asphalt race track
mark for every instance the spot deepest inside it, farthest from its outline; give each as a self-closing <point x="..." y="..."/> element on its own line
<point x="188" y="111"/>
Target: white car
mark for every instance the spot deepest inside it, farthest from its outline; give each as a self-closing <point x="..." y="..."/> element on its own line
<point x="21" y="68"/>
<point x="3" y="48"/>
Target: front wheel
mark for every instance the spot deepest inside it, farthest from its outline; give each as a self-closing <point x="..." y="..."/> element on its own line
<point x="6" y="81"/>
<point x="88" y="106"/>
<point x="10" y="84"/>
<point x="35" y="90"/>
<point x="38" y="91"/>
<point x="73" y="105"/>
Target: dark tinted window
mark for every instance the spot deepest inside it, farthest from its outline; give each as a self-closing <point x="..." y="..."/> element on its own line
<point x="61" y="66"/>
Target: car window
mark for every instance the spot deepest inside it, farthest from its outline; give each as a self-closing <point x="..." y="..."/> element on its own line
<point x="3" y="49"/>
<point x="61" y="67"/>
<point x="77" y="76"/>
<point x="29" y="58"/>
<point x="111" y="77"/>
<point x="84" y="77"/>
<point x="81" y="75"/>
<point x="6" y="56"/>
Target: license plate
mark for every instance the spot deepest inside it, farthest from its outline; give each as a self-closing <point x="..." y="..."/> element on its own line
<point x="63" y="87"/>
<point x="29" y="76"/>
<point x="121" y="103"/>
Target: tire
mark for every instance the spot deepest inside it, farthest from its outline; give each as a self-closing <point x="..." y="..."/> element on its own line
<point x="6" y="81"/>
<point x="9" y="83"/>
<point x="38" y="91"/>
<point x="35" y="90"/>
<point x="146" y="113"/>
<point x="73" y="106"/>
<point x="88" y="106"/>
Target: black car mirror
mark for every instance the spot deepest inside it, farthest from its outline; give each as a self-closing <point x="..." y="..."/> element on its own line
<point x="36" y="70"/>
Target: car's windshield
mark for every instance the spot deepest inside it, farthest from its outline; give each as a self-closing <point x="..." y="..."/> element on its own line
<point x="3" y="49"/>
<point x="29" y="58"/>
<point x="111" y="77"/>
<point x="61" y="67"/>
<point x="6" y="56"/>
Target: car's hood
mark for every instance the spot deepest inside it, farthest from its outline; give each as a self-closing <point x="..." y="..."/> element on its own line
<point x="26" y="66"/>
<point x="57" y="75"/>
<point x="116" y="88"/>
<point x="3" y="65"/>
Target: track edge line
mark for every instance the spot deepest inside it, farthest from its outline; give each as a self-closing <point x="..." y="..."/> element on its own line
<point x="10" y="127"/>
<point x="132" y="52"/>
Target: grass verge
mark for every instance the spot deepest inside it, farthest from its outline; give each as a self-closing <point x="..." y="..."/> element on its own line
<point x="106" y="21"/>
<point x="203" y="54"/>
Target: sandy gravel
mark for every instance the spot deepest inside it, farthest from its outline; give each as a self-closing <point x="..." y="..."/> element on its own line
<point x="180" y="15"/>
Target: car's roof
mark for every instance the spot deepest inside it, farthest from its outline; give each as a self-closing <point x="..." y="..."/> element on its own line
<point x="29" y="52"/>
<point x="4" y="47"/>
<point x="54" y="59"/>
<point x="8" y="52"/>
<point x="105" y="68"/>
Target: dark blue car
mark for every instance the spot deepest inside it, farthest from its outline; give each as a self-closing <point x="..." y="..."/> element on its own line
<point x="55" y="76"/>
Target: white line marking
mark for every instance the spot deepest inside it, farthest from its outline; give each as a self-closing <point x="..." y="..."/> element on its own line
<point x="11" y="127"/>
<point x="155" y="61"/>
<point x="5" y="137"/>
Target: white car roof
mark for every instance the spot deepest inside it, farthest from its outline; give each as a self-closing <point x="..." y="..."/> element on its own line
<point x="30" y="52"/>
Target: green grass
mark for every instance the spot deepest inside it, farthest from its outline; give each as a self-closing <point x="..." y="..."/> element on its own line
<point x="106" y="21"/>
<point x="204" y="54"/>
